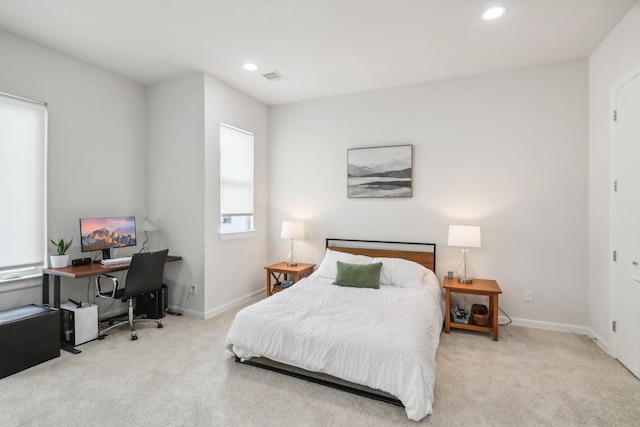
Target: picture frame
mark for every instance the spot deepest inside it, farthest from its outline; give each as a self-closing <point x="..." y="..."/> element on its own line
<point x="380" y="172"/>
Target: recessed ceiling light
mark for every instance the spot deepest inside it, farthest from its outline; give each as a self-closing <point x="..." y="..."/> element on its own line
<point x="494" y="13"/>
<point x="250" y="67"/>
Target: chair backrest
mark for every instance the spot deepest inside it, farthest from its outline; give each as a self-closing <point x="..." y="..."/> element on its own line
<point x="146" y="273"/>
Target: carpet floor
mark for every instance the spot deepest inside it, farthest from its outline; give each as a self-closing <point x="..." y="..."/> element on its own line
<point x="182" y="375"/>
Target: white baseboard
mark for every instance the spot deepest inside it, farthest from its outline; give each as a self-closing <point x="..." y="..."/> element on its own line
<point x="248" y="299"/>
<point x="602" y="343"/>
<point x="562" y="327"/>
<point x="540" y="324"/>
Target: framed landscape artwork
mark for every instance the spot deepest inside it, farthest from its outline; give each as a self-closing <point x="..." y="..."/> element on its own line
<point x="379" y="171"/>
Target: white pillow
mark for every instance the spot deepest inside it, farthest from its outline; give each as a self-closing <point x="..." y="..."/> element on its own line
<point x="329" y="267"/>
<point x="404" y="273"/>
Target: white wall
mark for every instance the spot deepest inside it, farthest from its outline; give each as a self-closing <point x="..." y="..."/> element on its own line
<point x="184" y="119"/>
<point x="176" y="184"/>
<point x="617" y="55"/>
<point x="234" y="268"/>
<point x="97" y="136"/>
<point x="506" y="151"/>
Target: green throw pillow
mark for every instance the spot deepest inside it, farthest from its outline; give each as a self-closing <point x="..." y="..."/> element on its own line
<point x="358" y="275"/>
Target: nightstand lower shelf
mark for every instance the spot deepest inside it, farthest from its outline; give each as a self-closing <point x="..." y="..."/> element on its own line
<point x="277" y="288"/>
<point x="470" y="326"/>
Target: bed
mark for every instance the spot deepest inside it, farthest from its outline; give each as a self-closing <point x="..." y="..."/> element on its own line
<point x="379" y="342"/>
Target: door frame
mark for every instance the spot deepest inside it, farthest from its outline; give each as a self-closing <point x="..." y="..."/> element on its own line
<point x="626" y="78"/>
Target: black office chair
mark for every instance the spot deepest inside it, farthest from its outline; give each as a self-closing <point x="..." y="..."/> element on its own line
<point x="145" y="275"/>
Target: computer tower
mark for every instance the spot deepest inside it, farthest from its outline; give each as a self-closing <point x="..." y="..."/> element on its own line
<point x="79" y="324"/>
<point x="153" y="304"/>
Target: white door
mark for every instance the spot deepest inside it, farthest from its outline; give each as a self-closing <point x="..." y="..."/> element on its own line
<point x="626" y="225"/>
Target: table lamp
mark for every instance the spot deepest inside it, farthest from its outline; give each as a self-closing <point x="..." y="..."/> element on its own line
<point x="292" y="230"/>
<point x="147" y="226"/>
<point x="465" y="236"/>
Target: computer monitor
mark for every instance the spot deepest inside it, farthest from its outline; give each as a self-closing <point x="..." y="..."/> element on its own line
<point x="105" y="233"/>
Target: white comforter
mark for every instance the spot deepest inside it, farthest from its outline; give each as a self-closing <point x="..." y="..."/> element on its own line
<point x="383" y="338"/>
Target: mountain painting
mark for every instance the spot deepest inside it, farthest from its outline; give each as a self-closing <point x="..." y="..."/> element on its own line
<point x="379" y="171"/>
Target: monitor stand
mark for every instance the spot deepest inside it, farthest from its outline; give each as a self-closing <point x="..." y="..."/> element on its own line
<point x="106" y="253"/>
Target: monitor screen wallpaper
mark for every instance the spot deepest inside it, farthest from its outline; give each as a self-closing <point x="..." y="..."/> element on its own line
<point x="105" y="233"/>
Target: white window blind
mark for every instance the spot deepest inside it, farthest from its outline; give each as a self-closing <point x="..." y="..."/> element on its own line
<point x="23" y="145"/>
<point x="236" y="179"/>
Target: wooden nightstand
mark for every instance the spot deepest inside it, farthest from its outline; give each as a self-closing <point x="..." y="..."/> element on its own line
<point x="276" y="270"/>
<point x="489" y="288"/>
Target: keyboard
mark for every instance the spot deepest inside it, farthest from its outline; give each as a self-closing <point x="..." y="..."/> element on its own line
<point x="111" y="261"/>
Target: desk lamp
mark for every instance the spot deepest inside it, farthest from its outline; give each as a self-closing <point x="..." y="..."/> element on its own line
<point x="147" y="226"/>
<point x="465" y="236"/>
<point x="292" y="230"/>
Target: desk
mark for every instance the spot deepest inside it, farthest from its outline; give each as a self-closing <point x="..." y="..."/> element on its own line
<point x="77" y="272"/>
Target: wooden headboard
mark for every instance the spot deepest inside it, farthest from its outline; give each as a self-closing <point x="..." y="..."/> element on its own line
<point x="422" y="253"/>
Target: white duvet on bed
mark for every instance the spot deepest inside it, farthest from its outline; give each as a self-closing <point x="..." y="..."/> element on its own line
<point x="383" y="338"/>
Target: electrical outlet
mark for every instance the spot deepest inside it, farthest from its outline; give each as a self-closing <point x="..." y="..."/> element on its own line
<point x="193" y="290"/>
<point x="528" y="296"/>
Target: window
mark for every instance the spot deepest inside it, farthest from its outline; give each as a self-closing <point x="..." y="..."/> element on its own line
<point x="23" y="143"/>
<point x="236" y="180"/>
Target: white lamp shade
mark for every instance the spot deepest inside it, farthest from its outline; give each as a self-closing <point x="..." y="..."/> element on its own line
<point x="292" y="230"/>
<point x="466" y="236"/>
<point x="149" y="226"/>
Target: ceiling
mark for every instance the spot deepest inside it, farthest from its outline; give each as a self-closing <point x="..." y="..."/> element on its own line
<point x="322" y="47"/>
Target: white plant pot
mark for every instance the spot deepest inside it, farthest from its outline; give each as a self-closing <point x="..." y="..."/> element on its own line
<point x="59" y="261"/>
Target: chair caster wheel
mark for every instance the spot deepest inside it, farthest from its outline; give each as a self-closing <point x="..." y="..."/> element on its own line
<point x="134" y="337"/>
<point x="160" y="326"/>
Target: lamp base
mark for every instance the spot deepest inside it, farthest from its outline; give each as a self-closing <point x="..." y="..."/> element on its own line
<point x="465" y="273"/>
<point x="292" y="264"/>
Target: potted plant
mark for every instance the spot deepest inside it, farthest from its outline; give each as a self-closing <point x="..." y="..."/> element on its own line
<point x="62" y="259"/>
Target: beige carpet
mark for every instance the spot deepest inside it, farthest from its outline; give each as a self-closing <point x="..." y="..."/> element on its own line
<point x="182" y="375"/>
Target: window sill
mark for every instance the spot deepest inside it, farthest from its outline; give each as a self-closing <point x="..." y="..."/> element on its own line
<point x="236" y="235"/>
<point x="15" y="276"/>
<point x="19" y="283"/>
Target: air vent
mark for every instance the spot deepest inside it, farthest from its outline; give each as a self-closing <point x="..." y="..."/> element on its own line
<point x="274" y="76"/>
